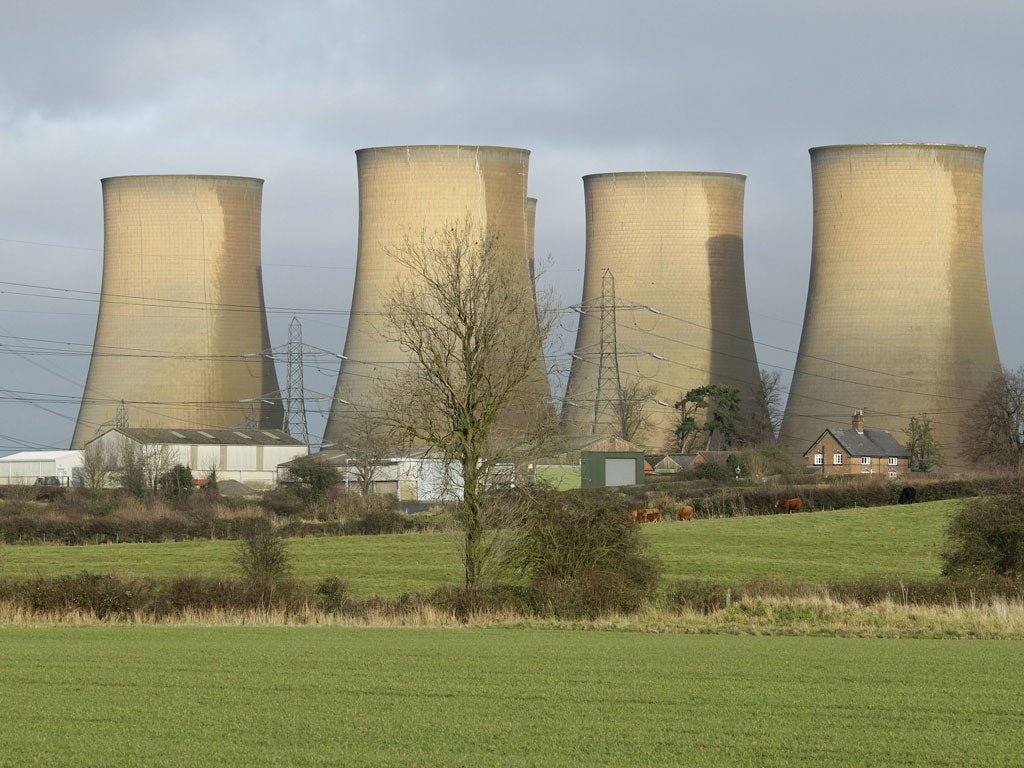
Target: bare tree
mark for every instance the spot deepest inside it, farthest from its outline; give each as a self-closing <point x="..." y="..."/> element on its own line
<point x="771" y="402"/>
<point x="139" y="467"/>
<point x="467" y="317"/>
<point x="993" y="430"/>
<point x="633" y="408"/>
<point x="923" y="447"/>
<point x="97" y="466"/>
<point x="369" y="442"/>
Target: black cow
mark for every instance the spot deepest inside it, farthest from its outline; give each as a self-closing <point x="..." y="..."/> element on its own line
<point x="908" y="495"/>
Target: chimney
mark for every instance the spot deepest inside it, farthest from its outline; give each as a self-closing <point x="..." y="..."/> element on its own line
<point x="858" y="421"/>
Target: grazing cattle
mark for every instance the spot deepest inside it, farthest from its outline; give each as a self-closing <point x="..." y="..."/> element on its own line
<point x="789" y="505"/>
<point x="645" y="515"/>
<point x="908" y="495"/>
<point x="686" y="513"/>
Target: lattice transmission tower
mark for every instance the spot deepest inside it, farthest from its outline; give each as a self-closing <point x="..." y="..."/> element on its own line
<point x="295" y="400"/>
<point x="609" y="386"/>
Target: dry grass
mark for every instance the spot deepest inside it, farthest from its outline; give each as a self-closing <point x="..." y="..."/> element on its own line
<point x="800" y="616"/>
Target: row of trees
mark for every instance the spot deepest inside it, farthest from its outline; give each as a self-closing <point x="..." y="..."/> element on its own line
<point x="139" y="469"/>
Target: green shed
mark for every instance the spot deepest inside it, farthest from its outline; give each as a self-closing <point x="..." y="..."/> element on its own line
<point x="611" y="461"/>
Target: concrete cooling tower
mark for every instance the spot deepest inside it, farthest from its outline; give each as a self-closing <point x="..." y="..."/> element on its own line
<point x="406" y="193"/>
<point x="531" y="225"/>
<point x="673" y="244"/>
<point x="181" y="320"/>
<point x="897" y="320"/>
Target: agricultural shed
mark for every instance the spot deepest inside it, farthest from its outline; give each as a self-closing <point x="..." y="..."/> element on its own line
<point x="417" y="476"/>
<point x="611" y="461"/>
<point x="250" y="456"/>
<point x="46" y="467"/>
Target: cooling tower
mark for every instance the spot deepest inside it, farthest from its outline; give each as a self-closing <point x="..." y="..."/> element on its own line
<point x="531" y="225"/>
<point x="405" y="193"/>
<point x="181" y="324"/>
<point x="673" y="242"/>
<point x="897" y="320"/>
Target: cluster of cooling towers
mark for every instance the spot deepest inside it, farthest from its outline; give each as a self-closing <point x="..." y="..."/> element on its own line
<point x="897" y="320"/>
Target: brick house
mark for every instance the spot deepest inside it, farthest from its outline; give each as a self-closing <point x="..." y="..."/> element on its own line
<point x="858" y="451"/>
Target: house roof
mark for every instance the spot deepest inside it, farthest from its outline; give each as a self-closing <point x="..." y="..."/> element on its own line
<point x="610" y="444"/>
<point x="878" y="443"/>
<point x="148" y="435"/>
<point x="681" y="460"/>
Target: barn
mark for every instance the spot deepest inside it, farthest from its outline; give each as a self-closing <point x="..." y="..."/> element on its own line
<point x="249" y="456"/>
<point x="44" y="467"/>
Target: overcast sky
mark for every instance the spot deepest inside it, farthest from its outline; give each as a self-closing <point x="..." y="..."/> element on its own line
<point x="287" y="91"/>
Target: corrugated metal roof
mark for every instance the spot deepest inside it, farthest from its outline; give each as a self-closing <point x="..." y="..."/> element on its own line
<point x="41" y="455"/>
<point x="208" y="436"/>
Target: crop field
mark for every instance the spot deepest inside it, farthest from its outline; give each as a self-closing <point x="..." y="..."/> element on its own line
<point x="899" y="541"/>
<point x="98" y="696"/>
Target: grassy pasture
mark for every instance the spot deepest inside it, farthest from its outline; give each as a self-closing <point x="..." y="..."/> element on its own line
<point x="812" y="546"/>
<point x="101" y="696"/>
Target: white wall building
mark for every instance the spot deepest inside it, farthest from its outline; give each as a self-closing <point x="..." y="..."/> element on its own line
<point x="48" y="467"/>
<point x="419" y="477"/>
<point x="250" y="456"/>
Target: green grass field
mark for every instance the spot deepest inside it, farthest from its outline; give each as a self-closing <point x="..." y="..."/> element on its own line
<point x="126" y="696"/>
<point x="814" y="546"/>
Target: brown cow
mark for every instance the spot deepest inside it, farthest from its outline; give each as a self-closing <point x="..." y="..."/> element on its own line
<point x="686" y="513"/>
<point x="789" y="505"/>
<point x="645" y="515"/>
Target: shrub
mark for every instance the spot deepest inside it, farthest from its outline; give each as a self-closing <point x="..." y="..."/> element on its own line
<point x="714" y="471"/>
<point x="176" y="483"/>
<point x="985" y="538"/>
<point x="315" y="478"/>
<point x="261" y="554"/>
<point x="699" y="595"/>
<point x="583" y="556"/>
<point x="376" y="521"/>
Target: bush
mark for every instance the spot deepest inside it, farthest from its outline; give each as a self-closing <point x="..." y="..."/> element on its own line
<point x="713" y="471"/>
<point x="176" y="483"/>
<point x="985" y="538"/>
<point x="699" y="595"/>
<point x="583" y="556"/>
<point x="262" y="555"/>
<point x="315" y="478"/>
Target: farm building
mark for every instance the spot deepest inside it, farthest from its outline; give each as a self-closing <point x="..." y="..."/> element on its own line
<point x="44" y="467"/>
<point x="611" y="461"/>
<point x="858" y="451"/>
<point x="416" y="477"/>
<point x="250" y="456"/>
<point x="593" y="461"/>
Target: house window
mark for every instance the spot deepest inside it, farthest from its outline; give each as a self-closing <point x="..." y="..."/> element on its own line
<point x="894" y="475"/>
<point x="865" y="459"/>
<point x="837" y="458"/>
<point x="893" y="461"/>
<point x="819" y="459"/>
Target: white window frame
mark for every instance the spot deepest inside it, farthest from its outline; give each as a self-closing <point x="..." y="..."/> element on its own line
<point x="837" y="458"/>
<point x="819" y="459"/>
<point x="865" y="459"/>
<point x="894" y="461"/>
<point x="894" y="475"/>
